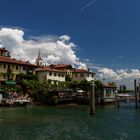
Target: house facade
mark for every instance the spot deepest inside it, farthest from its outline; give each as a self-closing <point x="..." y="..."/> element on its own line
<point x="61" y="71"/>
<point x="109" y="93"/>
<point x="10" y="67"/>
<point x="81" y="74"/>
<point x="51" y="75"/>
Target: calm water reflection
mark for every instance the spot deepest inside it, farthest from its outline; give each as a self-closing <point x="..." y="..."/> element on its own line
<point x="69" y="123"/>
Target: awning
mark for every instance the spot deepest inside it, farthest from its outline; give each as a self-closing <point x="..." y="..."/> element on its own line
<point x="1" y="90"/>
<point x="10" y="82"/>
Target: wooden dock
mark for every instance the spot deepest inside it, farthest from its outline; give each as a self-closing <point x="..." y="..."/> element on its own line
<point x="12" y="102"/>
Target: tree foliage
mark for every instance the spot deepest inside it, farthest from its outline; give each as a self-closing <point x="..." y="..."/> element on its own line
<point x="98" y="87"/>
<point x="123" y="89"/>
<point x="28" y="76"/>
<point x="85" y="85"/>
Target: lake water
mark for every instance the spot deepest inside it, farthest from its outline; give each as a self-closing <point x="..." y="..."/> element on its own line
<point x="69" y="122"/>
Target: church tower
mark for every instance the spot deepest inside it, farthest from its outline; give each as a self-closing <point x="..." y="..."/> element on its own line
<point x="39" y="60"/>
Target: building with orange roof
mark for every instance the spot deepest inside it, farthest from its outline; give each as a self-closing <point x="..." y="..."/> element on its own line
<point x="49" y="74"/>
<point x="59" y="72"/>
<point x="109" y="93"/>
<point x="61" y="66"/>
<point x="82" y="74"/>
<point x="10" y="67"/>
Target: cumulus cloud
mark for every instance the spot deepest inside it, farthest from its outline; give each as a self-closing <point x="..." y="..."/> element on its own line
<point x="122" y="76"/>
<point x="56" y="49"/>
<point x="108" y="73"/>
<point x="53" y="49"/>
<point x="119" y="74"/>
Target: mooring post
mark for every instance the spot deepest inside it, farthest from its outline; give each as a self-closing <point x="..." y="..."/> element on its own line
<point x="139" y="95"/>
<point x="92" y="99"/>
<point x="136" y="98"/>
<point x="118" y="103"/>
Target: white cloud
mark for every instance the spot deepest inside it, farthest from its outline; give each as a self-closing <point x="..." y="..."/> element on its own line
<point x="53" y="49"/>
<point x="64" y="38"/>
<point x="119" y="74"/>
<point x="56" y="50"/>
<point x="108" y="73"/>
<point x="122" y="76"/>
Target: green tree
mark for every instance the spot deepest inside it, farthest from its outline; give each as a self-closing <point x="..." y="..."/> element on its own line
<point x="124" y="87"/>
<point x="120" y="88"/>
<point x="85" y="86"/>
<point x="42" y="95"/>
<point x="73" y="85"/>
<point x="98" y="86"/>
<point x="28" y="76"/>
<point x="68" y="77"/>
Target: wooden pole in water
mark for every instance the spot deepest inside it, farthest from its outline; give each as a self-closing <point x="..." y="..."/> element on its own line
<point x="139" y="94"/>
<point x="92" y="99"/>
<point x="136" y="99"/>
<point x="118" y="103"/>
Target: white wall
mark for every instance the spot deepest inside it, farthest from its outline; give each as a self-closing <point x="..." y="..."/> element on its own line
<point x="109" y="95"/>
<point x="55" y="77"/>
<point x="85" y="76"/>
<point x="45" y="75"/>
<point x="1" y="96"/>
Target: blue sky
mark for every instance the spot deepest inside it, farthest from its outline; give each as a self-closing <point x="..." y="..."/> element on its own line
<point x="106" y="32"/>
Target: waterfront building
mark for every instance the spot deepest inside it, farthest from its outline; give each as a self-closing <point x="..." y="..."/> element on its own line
<point x="74" y="73"/>
<point x="82" y="74"/>
<point x="109" y="93"/>
<point x="50" y="74"/>
<point x="10" y="67"/>
<point x="59" y="73"/>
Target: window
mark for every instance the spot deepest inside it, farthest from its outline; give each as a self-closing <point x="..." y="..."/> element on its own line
<point x="81" y="75"/>
<point x="24" y="68"/>
<point x="4" y="66"/>
<point x="55" y="74"/>
<point x="16" y="67"/>
<point x="4" y="75"/>
<point x="108" y="92"/>
<point x="88" y="75"/>
<point x="75" y="75"/>
<point x="50" y="73"/>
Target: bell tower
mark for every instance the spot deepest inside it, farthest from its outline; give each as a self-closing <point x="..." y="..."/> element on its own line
<point x="39" y="60"/>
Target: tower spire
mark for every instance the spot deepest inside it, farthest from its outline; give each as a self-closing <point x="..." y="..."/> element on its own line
<point x="39" y="56"/>
<point x="39" y="60"/>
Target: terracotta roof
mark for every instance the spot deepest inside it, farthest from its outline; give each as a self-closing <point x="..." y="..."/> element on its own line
<point x="14" y="61"/>
<point x="109" y="86"/>
<point x="57" y="66"/>
<point x="49" y="69"/>
<point x="54" y="67"/>
<point x="62" y="65"/>
<point x="82" y="71"/>
<point x="3" y="49"/>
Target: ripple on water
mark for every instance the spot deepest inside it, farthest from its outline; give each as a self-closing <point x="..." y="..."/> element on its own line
<point x="69" y="123"/>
